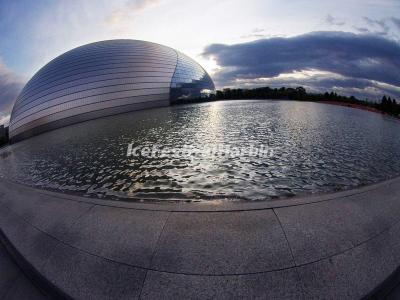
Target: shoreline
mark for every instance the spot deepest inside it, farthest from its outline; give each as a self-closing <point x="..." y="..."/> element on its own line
<point x="354" y="105"/>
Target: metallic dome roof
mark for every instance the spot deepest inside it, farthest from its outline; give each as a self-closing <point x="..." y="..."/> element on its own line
<point x="105" y="78"/>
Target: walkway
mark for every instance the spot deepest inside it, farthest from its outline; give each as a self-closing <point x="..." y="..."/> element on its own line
<point x="337" y="246"/>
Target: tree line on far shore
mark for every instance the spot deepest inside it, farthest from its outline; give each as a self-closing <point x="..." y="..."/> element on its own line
<point x="387" y="104"/>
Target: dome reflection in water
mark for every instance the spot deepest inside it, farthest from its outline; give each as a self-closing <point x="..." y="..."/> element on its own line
<point x="316" y="148"/>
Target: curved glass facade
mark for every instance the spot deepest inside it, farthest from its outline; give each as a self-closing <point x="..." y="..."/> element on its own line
<point x="105" y="78"/>
<point x="190" y="81"/>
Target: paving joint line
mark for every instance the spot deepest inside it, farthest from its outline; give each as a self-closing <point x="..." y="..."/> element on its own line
<point x="199" y="274"/>
<point x="154" y="252"/>
<point x="291" y="253"/>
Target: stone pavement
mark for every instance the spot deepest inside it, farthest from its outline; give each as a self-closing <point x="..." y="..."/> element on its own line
<point x="14" y="284"/>
<point x="336" y="246"/>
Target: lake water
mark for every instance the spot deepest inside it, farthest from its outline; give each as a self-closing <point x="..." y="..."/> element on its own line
<point x="306" y="148"/>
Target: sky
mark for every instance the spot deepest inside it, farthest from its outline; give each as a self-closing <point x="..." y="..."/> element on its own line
<point x="348" y="46"/>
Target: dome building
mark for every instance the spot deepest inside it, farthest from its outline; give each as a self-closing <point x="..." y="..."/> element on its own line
<point x="106" y="78"/>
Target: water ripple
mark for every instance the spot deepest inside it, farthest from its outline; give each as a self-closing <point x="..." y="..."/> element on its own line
<point x="317" y="148"/>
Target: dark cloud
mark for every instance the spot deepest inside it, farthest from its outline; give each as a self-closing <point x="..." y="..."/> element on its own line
<point x="256" y="33"/>
<point x="10" y="86"/>
<point x="385" y="27"/>
<point x="380" y="25"/>
<point x="352" y="56"/>
<point x="330" y="20"/>
<point x="362" y="29"/>
<point x="396" y="22"/>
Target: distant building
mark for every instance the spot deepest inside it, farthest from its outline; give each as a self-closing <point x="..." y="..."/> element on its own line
<point x="106" y="78"/>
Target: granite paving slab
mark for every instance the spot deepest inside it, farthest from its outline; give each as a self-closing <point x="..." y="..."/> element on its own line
<point x="85" y="276"/>
<point x="271" y="285"/>
<point x="222" y="243"/>
<point x="124" y="235"/>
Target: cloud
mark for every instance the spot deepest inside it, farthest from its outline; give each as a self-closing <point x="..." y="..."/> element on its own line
<point x="138" y="5"/>
<point x="388" y="27"/>
<point x="130" y="7"/>
<point x="255" y="33"/>
<point x="320" y="81"/>
<point x="381" y="25"/>
<point x="362" y="29"/>
<point x="333" y="21"/>
<point x="396" y="22"/>
<point x="10" y="86"/>
<point x="366" y="58"/>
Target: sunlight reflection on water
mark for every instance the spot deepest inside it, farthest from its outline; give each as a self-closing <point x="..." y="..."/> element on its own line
<point x="317" y="148"/>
